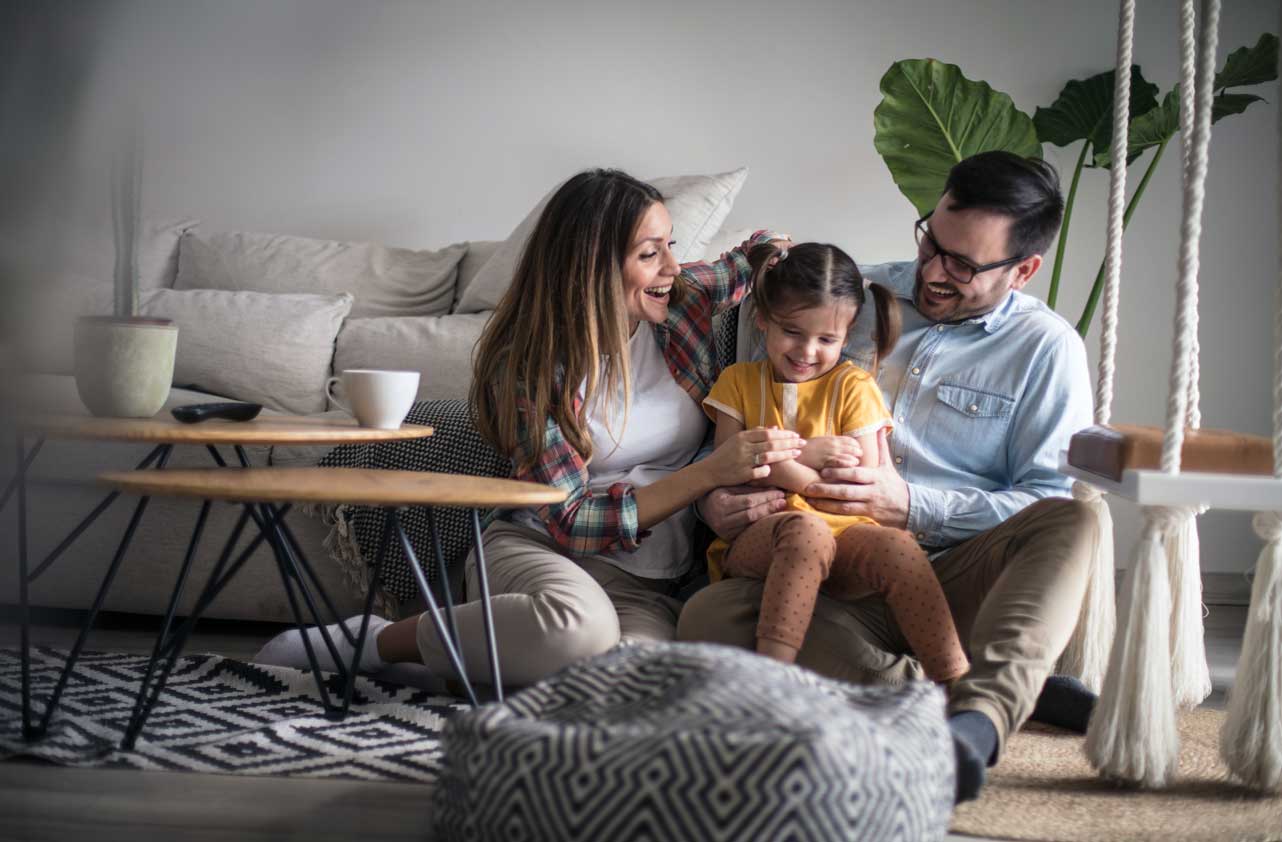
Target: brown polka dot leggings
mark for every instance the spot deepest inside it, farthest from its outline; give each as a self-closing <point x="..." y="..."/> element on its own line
<point x="796" y="554"/>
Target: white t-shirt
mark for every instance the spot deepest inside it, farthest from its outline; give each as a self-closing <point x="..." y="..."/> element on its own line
<point x="664" y="430"/>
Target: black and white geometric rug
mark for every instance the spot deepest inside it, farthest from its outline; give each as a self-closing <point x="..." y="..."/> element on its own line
<point x="221" y="716"/>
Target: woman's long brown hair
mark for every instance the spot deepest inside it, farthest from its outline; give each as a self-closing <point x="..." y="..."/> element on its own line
<point x="563" y="322"/>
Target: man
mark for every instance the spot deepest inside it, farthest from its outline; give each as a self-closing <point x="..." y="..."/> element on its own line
<point x="986" y="386"/>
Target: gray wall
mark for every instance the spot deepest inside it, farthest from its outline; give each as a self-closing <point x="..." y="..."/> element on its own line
<point x="418" y="124"/>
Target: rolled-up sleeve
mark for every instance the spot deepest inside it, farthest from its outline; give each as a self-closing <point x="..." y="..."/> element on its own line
<point x="585" y="522"/>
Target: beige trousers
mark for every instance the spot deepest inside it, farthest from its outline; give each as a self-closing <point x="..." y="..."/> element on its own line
<point x="1014" y="592"/>
<point x="550" y="610"/>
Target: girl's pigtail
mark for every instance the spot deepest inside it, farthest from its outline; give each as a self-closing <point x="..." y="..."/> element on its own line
<point x="889" y="321"/>
<point x="760" y="257"/>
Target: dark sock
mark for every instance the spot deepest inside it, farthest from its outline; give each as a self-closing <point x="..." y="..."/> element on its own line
<point x="1065" y="702"/>
<point x="974" y="744"/>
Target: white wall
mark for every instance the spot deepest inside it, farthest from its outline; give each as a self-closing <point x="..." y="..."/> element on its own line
<point x="418" y="124"/>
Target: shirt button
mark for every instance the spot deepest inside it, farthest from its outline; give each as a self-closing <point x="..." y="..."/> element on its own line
<point x="939" y="328"/>
<point x="901" y="419"/>
<point x="899" y="460"/>
<point x="916" y="371"/>
<point x="921" y="536"/>
<point x="974" y="408"/>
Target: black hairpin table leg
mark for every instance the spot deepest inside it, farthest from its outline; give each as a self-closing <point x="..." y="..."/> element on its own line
<point x="487" y="612"/>
<point x="453" y="652"/>
<point x="99" y="599"/>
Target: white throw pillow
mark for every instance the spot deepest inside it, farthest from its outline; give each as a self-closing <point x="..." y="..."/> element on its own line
<point x="253" y="346"/>
<point x="698" y="205"/>
<point x="439" y="348"/>
<point x="726" y="239"/>
<point x="91" y="256"/>
<point x="384" y="281"/>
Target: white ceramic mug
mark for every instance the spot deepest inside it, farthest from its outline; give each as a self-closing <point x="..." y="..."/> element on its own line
<point x="378" y="399"/>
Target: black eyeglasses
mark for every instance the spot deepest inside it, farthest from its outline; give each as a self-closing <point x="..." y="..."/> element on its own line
<point x="956" y="267"/>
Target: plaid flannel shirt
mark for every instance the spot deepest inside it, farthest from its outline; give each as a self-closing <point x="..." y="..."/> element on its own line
<point x="588" y="522"/>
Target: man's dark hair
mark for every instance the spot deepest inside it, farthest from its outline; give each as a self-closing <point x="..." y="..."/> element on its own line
<point x="1024" y="189"/>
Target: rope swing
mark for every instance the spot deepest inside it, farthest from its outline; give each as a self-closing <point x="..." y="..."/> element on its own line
<point x="1158" y="660"/>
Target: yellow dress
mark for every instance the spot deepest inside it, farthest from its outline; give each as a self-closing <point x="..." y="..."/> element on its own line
<point x="843" y="402"/>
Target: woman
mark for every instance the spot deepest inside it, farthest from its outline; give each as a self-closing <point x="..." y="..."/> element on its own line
<point x="590" y="376"/>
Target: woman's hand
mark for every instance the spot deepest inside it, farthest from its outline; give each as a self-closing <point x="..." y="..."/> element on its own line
<point x="748" y="455"/>
<point x="830" y="452"/>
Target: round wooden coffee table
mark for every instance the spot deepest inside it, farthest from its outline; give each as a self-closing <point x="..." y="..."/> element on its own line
<point x="164" y="432"/>
<point x="280" y="488"/>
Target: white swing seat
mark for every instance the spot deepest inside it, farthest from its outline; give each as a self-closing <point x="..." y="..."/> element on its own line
<point x="1219" y="468"/>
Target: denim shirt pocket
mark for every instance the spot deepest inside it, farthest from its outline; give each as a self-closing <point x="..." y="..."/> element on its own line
<point x="971" y="423"/>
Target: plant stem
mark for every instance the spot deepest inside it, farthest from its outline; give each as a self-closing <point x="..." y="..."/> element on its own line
<point x="1053" y="294"/>
<point x="1088" y="312"/>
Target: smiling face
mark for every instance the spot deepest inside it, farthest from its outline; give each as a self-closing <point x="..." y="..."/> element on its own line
<point x="649" y="268"/>
<point x="979" y="237"/>
<point x="805" y="343"/>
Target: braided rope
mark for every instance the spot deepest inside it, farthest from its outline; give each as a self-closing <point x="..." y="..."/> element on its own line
<point x="1116" y="210"/>
<point x="1188" y="59"/>
<point x="1190" y="236"/>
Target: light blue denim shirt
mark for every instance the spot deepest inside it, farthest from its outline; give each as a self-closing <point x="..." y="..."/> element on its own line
<point x="982" y="408"/>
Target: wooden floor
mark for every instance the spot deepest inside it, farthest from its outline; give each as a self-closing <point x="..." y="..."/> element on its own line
<point x="40" y="801"/>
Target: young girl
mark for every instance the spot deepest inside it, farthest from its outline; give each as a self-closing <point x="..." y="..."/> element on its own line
<point x="806" y="299"/>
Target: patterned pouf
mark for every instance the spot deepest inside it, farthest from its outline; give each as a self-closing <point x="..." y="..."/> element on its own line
<point x="696" y="741"/>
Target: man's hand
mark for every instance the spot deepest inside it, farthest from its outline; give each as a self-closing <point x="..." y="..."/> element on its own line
<point x="879" y="493"/>
<point x="733" y="509"/>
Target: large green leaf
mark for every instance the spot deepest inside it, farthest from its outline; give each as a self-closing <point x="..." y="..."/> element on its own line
<point x="1153" y="128"/>
<point x="931" y="116"/>
<point x="1084" y="110"/>
<point x="1250" y="65"/>
<point x="1226" y="105"/>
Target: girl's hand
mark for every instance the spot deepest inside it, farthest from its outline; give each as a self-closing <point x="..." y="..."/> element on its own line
<point x="748" y="455"/>
<point x="830" y="452"/>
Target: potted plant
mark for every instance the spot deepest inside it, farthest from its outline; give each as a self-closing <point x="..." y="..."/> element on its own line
<point x="124" y="363"/>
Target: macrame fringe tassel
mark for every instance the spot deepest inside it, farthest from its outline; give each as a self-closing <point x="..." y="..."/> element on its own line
<point x="1132" y="735"/>
<point x="1086" y="655"/>
<point x="341" y="545"/>
<point x="1251" y="739"/>
<point x="1190" y="675"/>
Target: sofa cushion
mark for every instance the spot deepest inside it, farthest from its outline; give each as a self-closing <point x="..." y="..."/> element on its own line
<point x="254" y="346"/>
<point x="698" y="205"/>
<point x="90" y="256"/>
<point x="439" y="348"/>
<point x="478" y="254"/>
<point x="384" y="281"/>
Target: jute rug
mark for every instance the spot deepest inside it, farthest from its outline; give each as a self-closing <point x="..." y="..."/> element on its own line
<point x="1044" y="789"/>
<point x="217" y="715"/>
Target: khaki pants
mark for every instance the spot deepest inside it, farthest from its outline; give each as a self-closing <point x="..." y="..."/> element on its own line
<point x="549" y="610"/>
<point x="1014" y="592"/>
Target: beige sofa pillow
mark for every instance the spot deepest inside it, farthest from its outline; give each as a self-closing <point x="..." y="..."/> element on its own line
<point x="698" y="205"/>
<point x="253" y="346"/>
<point x="384" y="281"/>
<point x="439" y="348"/>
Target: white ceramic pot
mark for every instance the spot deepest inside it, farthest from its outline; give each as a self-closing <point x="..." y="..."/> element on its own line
<point x="124" y="366"/>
